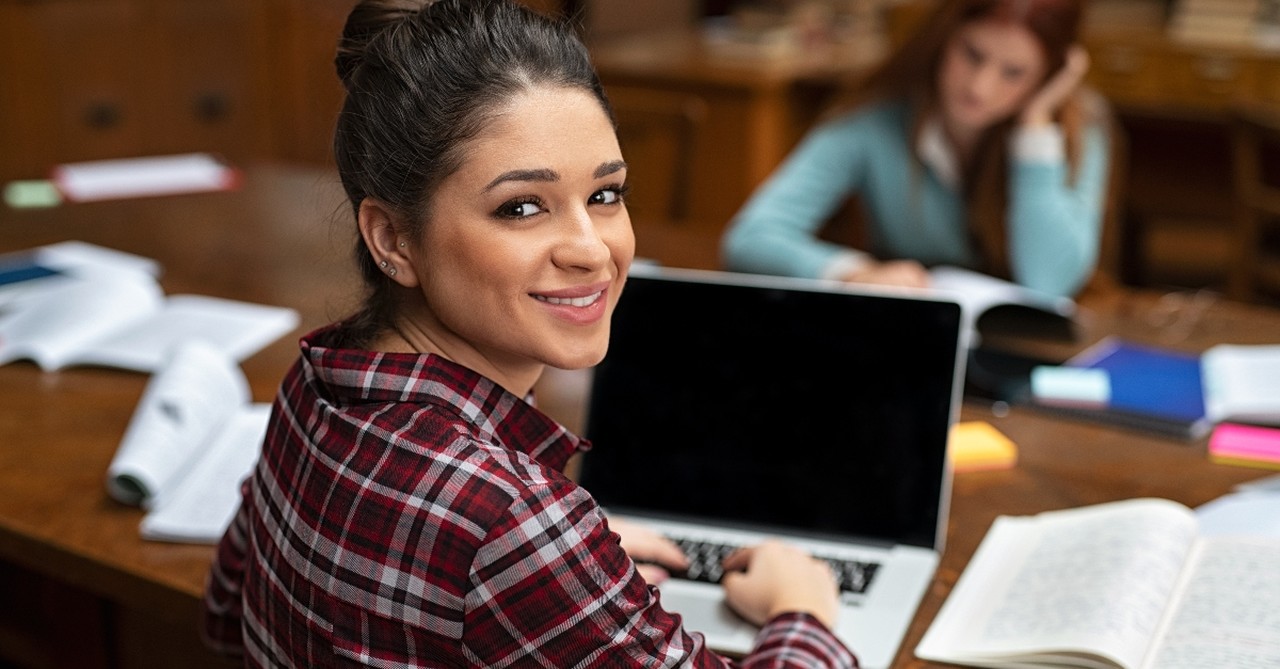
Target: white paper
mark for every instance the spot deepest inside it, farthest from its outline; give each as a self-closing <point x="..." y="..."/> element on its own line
<point x="137" y="177"/>
<point x="107" y="309"/>
<point x="184" y="403"/>
<point x="200" y="506"/>
<point x="1255" y="513"/>
<point x="69" y="316"/>
<point x="1242" y="383"/>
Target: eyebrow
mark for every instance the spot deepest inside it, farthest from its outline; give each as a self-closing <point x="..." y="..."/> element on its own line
<point x="547" y="175"/>
<point x="523" y="175"/>
<point x="610" y="167"/>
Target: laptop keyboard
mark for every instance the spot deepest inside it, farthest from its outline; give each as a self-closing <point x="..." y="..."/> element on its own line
<point x="704" y="565"/>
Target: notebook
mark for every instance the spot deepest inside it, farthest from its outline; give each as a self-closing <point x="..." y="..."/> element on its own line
<point x="732" y="407"/>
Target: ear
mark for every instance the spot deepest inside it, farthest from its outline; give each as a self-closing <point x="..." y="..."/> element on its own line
<point x="380" y="228"/>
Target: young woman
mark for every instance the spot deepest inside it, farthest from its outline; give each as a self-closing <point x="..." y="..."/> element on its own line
<point x="409" y="507"/>
<point x="973" y="145"/>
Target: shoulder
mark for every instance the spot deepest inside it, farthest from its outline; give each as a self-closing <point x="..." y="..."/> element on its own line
<point x="875" y="127"/>
<point x="877" y="117"/>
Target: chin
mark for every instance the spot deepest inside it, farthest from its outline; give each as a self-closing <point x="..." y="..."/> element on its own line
<point x="587" y="356"/>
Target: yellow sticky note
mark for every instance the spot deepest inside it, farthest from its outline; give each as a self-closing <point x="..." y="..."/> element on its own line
<point x="977" y="445"/>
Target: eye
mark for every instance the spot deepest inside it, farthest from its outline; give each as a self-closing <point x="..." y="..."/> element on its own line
<point x="1013" y="74"/>
<point x="520" y="208"/>
<point x="610" y="195"/>
<point x="972" y="54"/>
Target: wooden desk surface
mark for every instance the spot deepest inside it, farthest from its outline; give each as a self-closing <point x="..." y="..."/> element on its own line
<point x="284" y="239"/>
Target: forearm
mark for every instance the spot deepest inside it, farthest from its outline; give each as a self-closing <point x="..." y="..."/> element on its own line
<point x="799" y="641"/>
<point x="1055" y="226"/>
<point x="776" y="231"/>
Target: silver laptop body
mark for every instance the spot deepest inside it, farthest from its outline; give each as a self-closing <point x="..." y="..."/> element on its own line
<point x="736" y="407"/>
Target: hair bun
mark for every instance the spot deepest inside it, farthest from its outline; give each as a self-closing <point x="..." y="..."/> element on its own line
<point x="368" y="19"/>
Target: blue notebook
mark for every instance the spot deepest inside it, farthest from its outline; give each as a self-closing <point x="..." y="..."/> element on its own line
<point x="1152" y="388"/>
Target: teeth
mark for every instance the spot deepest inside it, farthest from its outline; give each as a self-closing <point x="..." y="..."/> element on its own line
<point x="573" y="301"/>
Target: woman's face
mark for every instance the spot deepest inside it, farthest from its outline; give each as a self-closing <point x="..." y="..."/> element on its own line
<point x="526" y="247"/>
<point x="989" y="70"/>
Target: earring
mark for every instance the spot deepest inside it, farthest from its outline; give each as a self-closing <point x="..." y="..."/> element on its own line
<point x="383" y="264"/>
<point x="402" y="244"/>
<point x="392" y="271"/>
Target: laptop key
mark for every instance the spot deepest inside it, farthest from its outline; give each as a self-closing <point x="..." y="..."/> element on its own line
<point x="705" y="557"/>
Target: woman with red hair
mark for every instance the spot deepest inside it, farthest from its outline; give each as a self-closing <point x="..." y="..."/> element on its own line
<point x="974" y="144"/>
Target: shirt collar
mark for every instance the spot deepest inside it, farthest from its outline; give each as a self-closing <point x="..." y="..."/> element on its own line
<point x="936" y="153"/>
<point x="354" y="376"/>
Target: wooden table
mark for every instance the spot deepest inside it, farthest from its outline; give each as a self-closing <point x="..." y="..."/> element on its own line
<point x="73" y="567"/>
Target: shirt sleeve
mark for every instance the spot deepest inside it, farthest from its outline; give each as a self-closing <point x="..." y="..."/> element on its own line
<point x="552" y="587"/>
<point x="223" y="605"/>
<point x="1055" y="224"/>
<point x="776" y="230"/>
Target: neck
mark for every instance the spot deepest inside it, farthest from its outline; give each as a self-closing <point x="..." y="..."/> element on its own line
<point x="409" y="336"/>
<point x="963" y="140"/>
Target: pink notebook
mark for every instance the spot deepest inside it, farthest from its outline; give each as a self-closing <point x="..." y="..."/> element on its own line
<point x="1247" y="445"/>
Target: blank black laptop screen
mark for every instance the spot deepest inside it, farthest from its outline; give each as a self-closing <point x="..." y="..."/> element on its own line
<point x="774" y="407"/>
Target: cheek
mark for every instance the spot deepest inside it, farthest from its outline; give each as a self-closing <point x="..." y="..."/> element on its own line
<point x="622" y="243"/>
<point x="1018" y="93"/>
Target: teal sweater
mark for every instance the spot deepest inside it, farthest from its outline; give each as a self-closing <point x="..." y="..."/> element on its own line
<point x="1053" y="227"/>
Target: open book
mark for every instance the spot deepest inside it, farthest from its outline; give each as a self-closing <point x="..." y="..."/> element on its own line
<point x="1131" y="584"/>
<point x="193" y="438"/>
<point x="994" y="305"/>
<point x="59" y="313"/>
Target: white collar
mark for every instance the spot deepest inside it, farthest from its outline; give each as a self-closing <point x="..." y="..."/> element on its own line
<point x="936" y="153"/>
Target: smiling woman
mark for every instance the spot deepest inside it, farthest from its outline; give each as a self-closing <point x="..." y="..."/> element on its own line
<point x="409" y="507"/>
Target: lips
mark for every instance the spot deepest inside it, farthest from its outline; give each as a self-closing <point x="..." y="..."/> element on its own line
<point x="584" y="301"/>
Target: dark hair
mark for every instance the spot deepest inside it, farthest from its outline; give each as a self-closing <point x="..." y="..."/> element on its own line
<point x="422" y="78"/>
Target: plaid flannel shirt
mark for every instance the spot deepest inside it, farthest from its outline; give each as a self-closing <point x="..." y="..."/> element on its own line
<point x="407" y="512"/>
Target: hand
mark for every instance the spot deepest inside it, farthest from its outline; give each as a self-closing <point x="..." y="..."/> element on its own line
<point x="1045" y="102"/>
<point x="905" y="273"/>
<point x="653" y="553"/>
<point x="773" y="578"/>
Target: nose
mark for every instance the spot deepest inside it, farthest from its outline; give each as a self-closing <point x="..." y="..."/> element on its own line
<point x="581" y="247"/>
<point x="983" y="82"/>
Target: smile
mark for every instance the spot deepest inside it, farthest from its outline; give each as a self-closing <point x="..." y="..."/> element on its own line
<point x="571" y="301"/>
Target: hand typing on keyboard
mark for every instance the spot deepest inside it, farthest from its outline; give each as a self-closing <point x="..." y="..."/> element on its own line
<point x="772" y="578"/>
<point x="655" y="555"/>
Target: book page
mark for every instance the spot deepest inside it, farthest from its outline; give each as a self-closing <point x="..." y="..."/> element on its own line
<point x="69" y="316"/>
<point x="1228" y="614"/>
<point x="182" y="405"/>
<point x="979" y="293"/>
<point x="198" y="507"/>
<point x="237" y="329"/>
<point x="1093" y="580"/>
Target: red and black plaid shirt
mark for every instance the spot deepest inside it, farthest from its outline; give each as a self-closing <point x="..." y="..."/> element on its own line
<point x="407" y="512"/>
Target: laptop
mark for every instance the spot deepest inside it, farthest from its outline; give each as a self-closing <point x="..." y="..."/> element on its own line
<point x="735" y="407"/>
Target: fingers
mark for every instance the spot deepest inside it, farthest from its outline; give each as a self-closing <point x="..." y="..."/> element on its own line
<point x="738" y="559"/>
<point x="643" y="544"/>
<point x="1040" y="109"/>
<point x="904" y="273"/>
<point x="774" y="578"/>
<point x="652" y="573"/>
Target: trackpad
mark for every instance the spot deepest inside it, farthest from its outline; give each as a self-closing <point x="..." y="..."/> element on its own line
<point x="703" y="609"/>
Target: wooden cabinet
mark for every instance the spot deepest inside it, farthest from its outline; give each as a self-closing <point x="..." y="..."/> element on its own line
<point x="1175" y="102"/>
<point x="700" y="131"/>
<point x="1146" y="69"/>
<point x="247" y="79"/>
<point x="87" y="79"/>
<point x="307" y="92"/>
